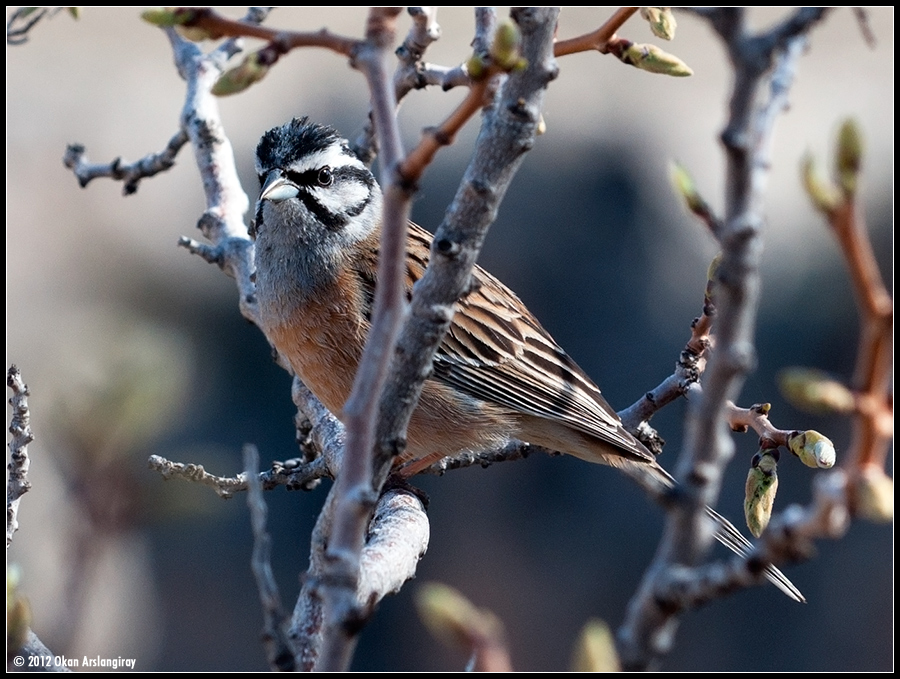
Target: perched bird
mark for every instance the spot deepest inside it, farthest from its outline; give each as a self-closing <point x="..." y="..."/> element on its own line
<point x="498" y="375"/>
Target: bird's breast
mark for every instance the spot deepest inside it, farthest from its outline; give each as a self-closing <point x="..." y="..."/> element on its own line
<point x="321" y="335"/>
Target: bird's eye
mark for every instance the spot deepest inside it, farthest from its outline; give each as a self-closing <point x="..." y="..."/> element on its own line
<point x="325" y="177"/>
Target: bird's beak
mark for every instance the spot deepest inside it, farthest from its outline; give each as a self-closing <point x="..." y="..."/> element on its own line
<point x="277" y="188"/>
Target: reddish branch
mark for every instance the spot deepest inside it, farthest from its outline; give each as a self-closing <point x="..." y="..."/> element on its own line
<point x="872" y="380"/>
<point x="599" y="40"/>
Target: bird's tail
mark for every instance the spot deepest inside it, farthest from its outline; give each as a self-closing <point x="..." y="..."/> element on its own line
<point x="655" y="479"/>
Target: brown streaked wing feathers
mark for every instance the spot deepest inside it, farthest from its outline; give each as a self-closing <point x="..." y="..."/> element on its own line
<point x="496" y="351"/>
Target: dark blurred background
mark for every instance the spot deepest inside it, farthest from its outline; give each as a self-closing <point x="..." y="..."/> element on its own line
<point x="132" y="347"/>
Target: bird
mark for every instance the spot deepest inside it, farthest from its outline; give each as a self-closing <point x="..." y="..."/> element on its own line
<point x="497" y="375"/>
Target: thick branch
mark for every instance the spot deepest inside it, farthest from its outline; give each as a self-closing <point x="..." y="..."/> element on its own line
<point x="353" y="493"/>
<point x="397" y="538"/>
<point x="507" y="133"/>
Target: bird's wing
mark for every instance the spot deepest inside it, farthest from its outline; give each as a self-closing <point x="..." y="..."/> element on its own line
<point x="497" y="351"/>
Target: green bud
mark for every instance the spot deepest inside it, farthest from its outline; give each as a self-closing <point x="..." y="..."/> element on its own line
<point x="240" y="78"/>
<point x="813" y="449"/>
<point x="713" y="268"/>
<point x="815" y="392"/>
<point x="661" y="20"/>
<point x="75" y="12"/>
<point x="595" y="650"/>
<point x="760" y="489"/>
<point x="506" y="48"/>
<point x="687" y="189"/>
<point x="163" y="16"/>
<point x="651" y="58"/>
<point x="825" y="195"/>
<point x="875" y="495"/>
<point x="196" y="33"/>
<point x="18" y="612"/>
<point x="452" y="618"/>
<point x="848" y="158"/>
<point x="476" y="67"/>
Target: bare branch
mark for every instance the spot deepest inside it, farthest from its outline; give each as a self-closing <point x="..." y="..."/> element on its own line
<point x="35" y="648"/>
<point x="275" y="639"/>
<point x="650" y="627"/>
<point x="17" y="483"/>
<point x="396" y="539"/>
<point x="507" y="132"/>
<point x="206" y="23"/>
<point x="865" y="27"/>
<point x="282" y="474"/>
<point x="513" y="450"/>
<point x="130" y="174"/>
<point x="353" y="491"/>
<point x="22" y="20"/>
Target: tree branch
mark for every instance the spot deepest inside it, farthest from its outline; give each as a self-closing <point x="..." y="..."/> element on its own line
<point x="279" y="651"/>
<point x="649" y="628"/>
<point x="17" y="483"/>
<point x="507" y="133"/>
<point x="354" y="494"/>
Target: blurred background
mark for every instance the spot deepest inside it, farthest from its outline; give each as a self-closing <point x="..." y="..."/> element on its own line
<point x="133" y="347"/>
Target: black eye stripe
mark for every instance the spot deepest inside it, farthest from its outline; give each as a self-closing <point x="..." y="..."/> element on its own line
<point x="310" y="178"/>
<point x="308" y="182"/>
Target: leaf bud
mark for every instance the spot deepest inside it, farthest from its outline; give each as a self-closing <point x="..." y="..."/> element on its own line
<point x="760" y="490"/>
<point x="813" y="449"/>
<point x="662" y="21"/>
<point x="814" y="391"/>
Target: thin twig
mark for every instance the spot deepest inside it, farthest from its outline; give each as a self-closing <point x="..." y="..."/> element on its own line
<point x="22" y="20"/>
<point x="215" y="26"/>
<point x="597" y="40"/>
<point x="282" y="474"/>
<point x="278" y="647"/>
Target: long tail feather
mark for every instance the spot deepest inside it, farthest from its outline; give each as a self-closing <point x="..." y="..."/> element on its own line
<point x="656" y="479"/>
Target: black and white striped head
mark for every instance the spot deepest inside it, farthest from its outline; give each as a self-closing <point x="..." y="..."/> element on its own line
<point x="314" y="187"/>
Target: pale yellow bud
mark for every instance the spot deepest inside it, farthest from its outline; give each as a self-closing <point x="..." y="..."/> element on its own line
<point x="687" y="189"/>
<point x="760" y="490"/>
<point x="814" y="391"/>
<point x="875" y="495"/>
<point x="595" y="650"/>
<point x="848" y="158"/>
<point x="813" y="449"/>
<point x="661" y="20"/>
<point x="651" y="58"/>
<point x="506" y="48"/>
<point x="163" y="16"/>
<point x="825" y="195"/>
<point x="452" y="618"/>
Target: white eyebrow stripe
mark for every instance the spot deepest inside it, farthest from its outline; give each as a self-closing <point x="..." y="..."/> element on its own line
<point x="338" y="199"/>
<point x="333" y="156"/>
